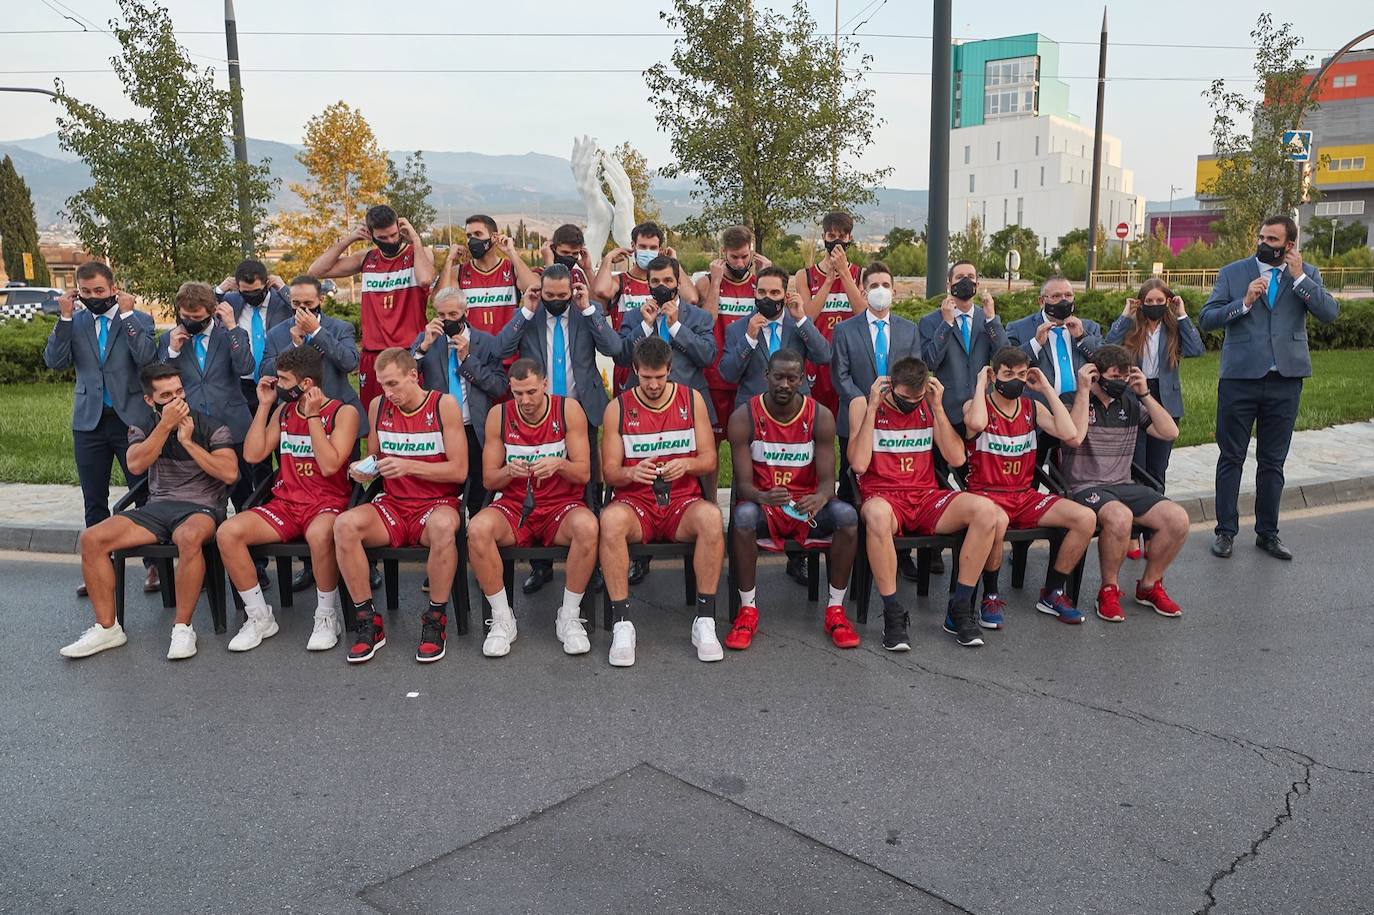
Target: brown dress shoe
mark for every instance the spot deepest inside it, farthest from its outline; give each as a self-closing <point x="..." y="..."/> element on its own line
<point x="81" y="590"/>
<point x="152" y="582"/>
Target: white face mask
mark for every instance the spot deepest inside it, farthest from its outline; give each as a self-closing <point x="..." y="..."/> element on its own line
<point x="880" y="298"/>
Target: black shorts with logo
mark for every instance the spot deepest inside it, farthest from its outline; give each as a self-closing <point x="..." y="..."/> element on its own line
<point x="1135" y="496"/>
<point x="162" y="518"/>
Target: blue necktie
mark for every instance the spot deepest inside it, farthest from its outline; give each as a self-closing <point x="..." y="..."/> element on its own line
<point x="200" y="351"/>
<point x="880" y="348"/>
<point x="455" y="381"/>
<point x="1273" y="287"/>
<point x="663" y="329"/>
<point x="259" y="341"/>
<point x="102" y="334"/>
<point x="1064" y="362"/>
<point x="560" y="358"/>
<point x="774" y="338"/>
<point x="964" y="322"/>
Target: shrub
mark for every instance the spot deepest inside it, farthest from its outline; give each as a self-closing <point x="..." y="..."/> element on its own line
<point x="21" y="352"/>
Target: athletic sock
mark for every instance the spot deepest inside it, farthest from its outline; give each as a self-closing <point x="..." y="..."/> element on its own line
<point x="890" y="601"/>
<point x="327" y="600"/>
<point x="620" y="609"/>
<point x="253" y="597"/>
<point x="963" y="594"/>
<point x="990" y="581"/>
<point x="1054" y="580"/>
<point x="438" y="608"/>
<point x="748" y="598"/>
<point x="572" y="605"/>
<point x="500" y="607"/>
<point x="706" y="605"/>
<point x="364" y="606"/>
<point x="837" y="596"/>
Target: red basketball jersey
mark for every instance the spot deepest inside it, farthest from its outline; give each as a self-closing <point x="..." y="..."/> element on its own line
<point x="837" y="306"/>
<point x="393" y="301"/>
<point x="902" y="457"/>
<point x="546" y="438"/>
<point x="630" y="297"/>
<point x="659" y="434"/>
<point x="1002" y="457"/>
<point x="299" y="478"/>
<point x="784" y="453"/>
<point x="736" y="301"/>
<point x="417" y="436"/>
<point x="492" y="296"/>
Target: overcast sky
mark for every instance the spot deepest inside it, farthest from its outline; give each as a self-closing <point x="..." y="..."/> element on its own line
<point x="512" y="105"/>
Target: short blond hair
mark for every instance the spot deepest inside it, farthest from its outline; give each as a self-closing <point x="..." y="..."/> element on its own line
<point x="397" y="356"/>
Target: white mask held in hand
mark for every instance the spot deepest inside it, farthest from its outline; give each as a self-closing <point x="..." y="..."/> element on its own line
<point x="880" y="298"/>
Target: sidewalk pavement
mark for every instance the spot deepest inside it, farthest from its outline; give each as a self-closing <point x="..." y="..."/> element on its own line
<point x="1325" y="467"/>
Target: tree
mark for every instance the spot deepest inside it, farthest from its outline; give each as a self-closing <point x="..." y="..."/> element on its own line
<point x="521" y="234"/>
<point x="163" y="204"/>
<point x="1078" y="238"/>
<point x="896" y="237"/>
<point x="1255" y="177"/>
<point x="1009" y="238"/>
<point x="638" y="171"/>
<point x="348" y="173"/>
<point x="18" y="228"/>
<point x="1327" y="237"/>
<point x="784" y="112"/>
<point x="969" y="244"/>
<point x="408" y="191"/>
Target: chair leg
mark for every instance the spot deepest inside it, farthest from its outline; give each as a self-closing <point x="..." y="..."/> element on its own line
<point x="954" y="565"/>
<point x="689" y="580"/>
<point x="459" y="591"/>
<point x="1020" y="550"/>
<point x="285" y="597"/>
<point x="606" y="609"/>
<point x="392" y="573"/>
<point x="119" y="570"/>
<point x="167" y="572"/>
<point x="214" y="587"/>
<point x="731" y="581"/>
<point x="348" y="609"/>
<point x="813" y="577"/>
<point x="922" y="572"/>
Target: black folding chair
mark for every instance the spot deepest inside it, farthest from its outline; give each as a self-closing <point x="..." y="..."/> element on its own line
<point x="812" y="550"/>
<point x="1020" y="539"/>
<point x="683" y="551"/>
<point x="164" y="554"/>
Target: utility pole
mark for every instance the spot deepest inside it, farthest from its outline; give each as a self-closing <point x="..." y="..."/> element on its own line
<point x="937" y="216"/>
<point x="231" y="40"/>
<point x="1169" y="232"/>
<point x="1095" y="200"/>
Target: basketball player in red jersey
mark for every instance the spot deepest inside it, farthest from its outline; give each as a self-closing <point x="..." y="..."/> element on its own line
<point x="830" y="293"/>
<point x="418" y="447"/>
<point x="1001" y="422"/>
<point x="568" y="246"/>
<point x="396" y="276"/>
<point x="537" y="460"/>
<point x="657" y="444"/>
<point x="892" y="436"/>
<point x="315" y="436"/>
<point x="493" y="276"/>
<point x="727" y="292"/>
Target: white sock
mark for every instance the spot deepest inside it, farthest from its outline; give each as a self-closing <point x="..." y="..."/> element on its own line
<point x="747" y="598"/>
<point x="837" y="596"/>
<point x="500" y="607"/>
<point x="253" y="597"/>
<point x="327" y="600"/>
<point x="572" y="605"/>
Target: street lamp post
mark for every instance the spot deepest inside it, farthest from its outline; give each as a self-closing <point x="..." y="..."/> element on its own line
<point x="1169" y="232"/>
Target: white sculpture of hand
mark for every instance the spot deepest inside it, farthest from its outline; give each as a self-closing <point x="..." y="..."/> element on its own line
<point x="624" y="198"/>
<point x="586" y="156"/>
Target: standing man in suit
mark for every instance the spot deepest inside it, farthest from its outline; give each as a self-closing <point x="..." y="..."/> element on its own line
<point x="466" y="366"/>
<point x="958" y="339"/>
<point x="108" y="342"/>
<point x="1058" y="342"/>
<point x="779" y="322"/>
<point x="1263" y="303"/>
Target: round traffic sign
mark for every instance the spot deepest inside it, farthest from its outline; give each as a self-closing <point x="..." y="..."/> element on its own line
<point x="1122" y="230"/>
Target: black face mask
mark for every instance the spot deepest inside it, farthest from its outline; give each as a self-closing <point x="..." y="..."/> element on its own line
<point x="556" y="307"/>
<point x="1011" y="388"/>
<point x="291" y="394"/>
<point x="195" y="327"/>
<point x="157" y="407"/>
<point x="453" y="328"/>
<point x="964" y="290"/>
<point x="389" y="248"/>
<point x="769" y="308"/>
<point x="1112" y="387"/>
<point x="1269" y="255"/>
<point x="662" y="294"/>
<point x="567" y="260"/>
<point x="1059" y="311"/>
<point x="1153" y="312"/>
<point x="254" y="298"/>
<point x="478" y="247"/>
<point x="98" y="306"/>
<point x="836" y="243"/>
<point x="738" y="273"/>
<point x="901" y="403"/>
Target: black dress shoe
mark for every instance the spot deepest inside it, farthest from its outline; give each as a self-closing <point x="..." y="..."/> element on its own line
<point x="303" y="579"/>
<point x="539" y="576"/>
<point x="796" y="569"/>
<point x="375" y="580"/>
<point x="81" y="590"/>
<point x="264" y="580"/>
<point x="596" y="582"/>
<point x="1274" y="547"/>
<point x="906" y="566"/>
<point x="937" y="562"/>
<point x="639" y="570"/>
<point x="1221" y="547"/>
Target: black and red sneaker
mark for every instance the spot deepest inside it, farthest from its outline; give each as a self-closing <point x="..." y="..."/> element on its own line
<point x="432" y="626"/>
<point x="368" y="636"/>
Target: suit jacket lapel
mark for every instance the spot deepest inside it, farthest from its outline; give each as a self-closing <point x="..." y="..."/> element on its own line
<point x="867" y="335"/>
<point x="93" y="336"/>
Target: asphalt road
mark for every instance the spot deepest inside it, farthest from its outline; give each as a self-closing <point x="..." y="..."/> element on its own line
<point x="1219" y="763"/>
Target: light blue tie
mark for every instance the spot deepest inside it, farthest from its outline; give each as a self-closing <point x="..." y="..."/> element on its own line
<point x="880" y="348"/>
<point x="774" y="338"/>
<point x="200" y="351"/>
<point x="102" y="334"/>
<point x="1273" y="287"/>
<point x="964" y="331"/>
<point x="560" y="358"/>
<point x="1064" y="362"/>
<point x="455" y="380"/>
<point x="259" y="341"/>
<point x="663" y="329"/>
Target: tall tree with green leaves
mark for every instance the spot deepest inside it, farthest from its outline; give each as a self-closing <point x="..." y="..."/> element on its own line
<point x="163" y="204"/>
<point x="19" y="228"/>
<point x="407" y="191"/>
<point x="1255" y="177"/>
<point x="763" y="115"/>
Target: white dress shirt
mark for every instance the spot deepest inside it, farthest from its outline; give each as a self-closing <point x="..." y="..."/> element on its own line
<point x="1149" y="357"/>
<point x="567" y="341"/>
<point x="245" y="320"/>
<point x="467" y="338"/>
<point x="191" y="342"/>
<point x="873" y="320"/>
<point x="754" y="341"/>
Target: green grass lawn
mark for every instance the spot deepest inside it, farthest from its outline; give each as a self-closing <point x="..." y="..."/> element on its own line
<point x="36" y="438"/>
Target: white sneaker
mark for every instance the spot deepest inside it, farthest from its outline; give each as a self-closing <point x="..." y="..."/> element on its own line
<point x="704" y="638"/>
<point x="499" y="636"/>
<point x="623" y="644"/>
<point x="328" y="625"/>
<point x="183" y="643"/>
<point x="259" y="625"/>
<point x="95" y="640"/>
<point x="572" y="634"/>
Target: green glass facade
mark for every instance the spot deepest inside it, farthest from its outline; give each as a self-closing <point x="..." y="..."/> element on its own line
<point x="969" y="87"/>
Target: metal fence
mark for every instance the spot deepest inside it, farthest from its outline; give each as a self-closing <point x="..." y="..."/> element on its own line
<point x="1337" y="278"/>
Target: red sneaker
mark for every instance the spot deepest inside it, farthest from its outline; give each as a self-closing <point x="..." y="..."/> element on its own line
<point x="742" y="633"/>
<point x="368" y="637"/>
<point x="841" y="632"/>
<point x="1155" y="596"/>
<point x="1109" y="604"/>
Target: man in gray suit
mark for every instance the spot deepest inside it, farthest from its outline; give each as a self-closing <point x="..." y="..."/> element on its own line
<point x="1058" y="342"/>
<point x="1263" y="303"/>
<point x="465" y="365"/>
<point x="750" y="340"/>
<point x="108" y="342"/>
<point x="334" y="338"/>
<point x="958" y="340"/>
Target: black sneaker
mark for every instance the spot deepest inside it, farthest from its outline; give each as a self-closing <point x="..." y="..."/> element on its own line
<point x="541" y="573"/>
<point x="368" y="635"/>
<point x="962" y="623"/>
<point x="374" y="578"/>
<point x="639" y="569"/>
<point x="895" y="637"/>
<point x="303" y="579"/>
<point x="906" y="566"/>
<point x="796" y="569"/>
<point x="432" y="626"/>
